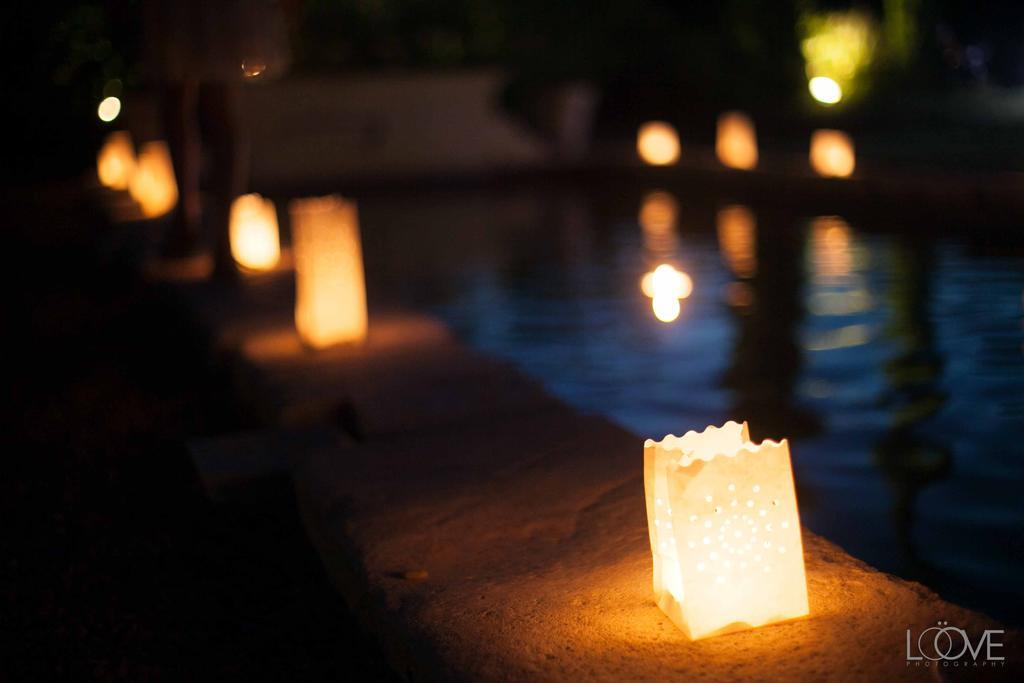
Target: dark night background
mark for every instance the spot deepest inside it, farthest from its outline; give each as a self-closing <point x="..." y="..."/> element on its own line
<point x="114" y="562"/>
<point x="651" y="58"/>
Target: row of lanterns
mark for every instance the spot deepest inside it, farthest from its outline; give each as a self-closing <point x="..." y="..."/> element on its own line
<point x="330" y="285"/>
<point x="148" y="177"/>
<point x="831" y="151"/>
<point x="723" y="522"/>
<point x="330" y="300"/>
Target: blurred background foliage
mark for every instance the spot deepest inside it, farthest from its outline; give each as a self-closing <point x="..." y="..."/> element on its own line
<point x="650" y="58"/>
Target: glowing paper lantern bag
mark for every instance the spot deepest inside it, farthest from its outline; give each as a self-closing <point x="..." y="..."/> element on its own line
<point x="115" y="162"/>
<point x="152" y="184"/>
<point x="255" y="244"/>
<point x="724" y="530"/>
<point x="330" y="290"/>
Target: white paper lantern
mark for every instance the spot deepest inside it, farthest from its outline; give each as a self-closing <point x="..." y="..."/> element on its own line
<point x="330" y="296"/>
<point x="724" y="531"/>
<point x="255" y="244"/>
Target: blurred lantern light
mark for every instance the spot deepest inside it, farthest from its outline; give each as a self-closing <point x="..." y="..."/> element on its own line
<point x="115" y="162"/>
<point x="832" y="255"/>
<point x="108" y="109"/>
<point x="152" y="184"/>
<point x="658" y="143"/>
<point x="832" y="153"/>
<point x="737" y="240"/>
<point x="659" y="216"/>
<point x="330" y="297"/>
<point x="255" y="244"/>
<point x="736" y="144"/>
<point x="724" y="531"/>
<point x="825" y="90"/>
<point x="666" y="286"/>
<point x="835" y="259"/>
<point x="666" y="308"/>
<point x="658" y="212"/>
<point x="666" y="281"/>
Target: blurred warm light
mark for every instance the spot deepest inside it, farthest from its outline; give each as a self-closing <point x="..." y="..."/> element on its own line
<point x="330" y="296"/>
<point x="658" y="143"/>
<point x="835" y="260"/>
<point x="736" y="144"/>
<point x="665" y="280"/>
<point x="831" y="253"/>
<point x="737" y="239"/>
<point x="255" y="244"/>
<point x="115" y="162"/>
<point x="659" y="216"/>
<point x="109" y="108"/>
<point x="252" y="68"/>
<point x="724" y="531"/>
<point x="837" y="47"/>
<point x="152" y="185"/>
<point x="666" y="286"/>
<point x="825" y="90"/>
<point x="832" y="153"/>
<point x="666" y="308"/>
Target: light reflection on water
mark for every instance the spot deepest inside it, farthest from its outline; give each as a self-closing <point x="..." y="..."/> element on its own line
<point x="894" y="363"/>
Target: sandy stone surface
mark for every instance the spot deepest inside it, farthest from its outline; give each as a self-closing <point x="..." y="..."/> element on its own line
<point x="517" y="550"/>
<point x="409" y="375"/>
<point x="487" y="532"/>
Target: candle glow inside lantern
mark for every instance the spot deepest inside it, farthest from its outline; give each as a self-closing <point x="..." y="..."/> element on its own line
<point x="330" y="296"/>
<point x="736" y="144"/>
<point x="115" y="162"/>
<point x="255" y="244"/>
<point x="832" y="153"/>
<point x="152" y="184"/>
<point x="657" y="143"/>
<point x="724" y="531"/>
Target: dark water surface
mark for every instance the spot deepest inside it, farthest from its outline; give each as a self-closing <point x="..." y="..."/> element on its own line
<point x="890" y="352"/>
